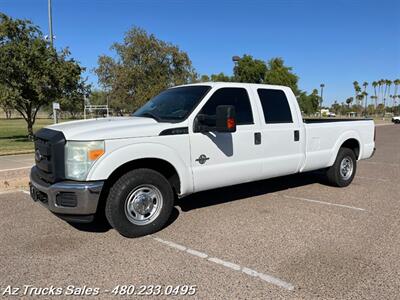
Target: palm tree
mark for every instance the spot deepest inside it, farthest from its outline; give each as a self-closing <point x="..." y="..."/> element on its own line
<point x="321" y="99"/>
<point x="357" y="90"/>
<point x="396" y="83"/>
<point x="375" y="84"/>
<point x="374" y="98"/>
<point x="388" y="83"/>
<point x="392" y="97"/>
<point x="365" y="84"/>
<point x="381" y="83"/>
<point x="359" y="99"/>
<point x="365" y="95"/>
<point x="349" y="100"/>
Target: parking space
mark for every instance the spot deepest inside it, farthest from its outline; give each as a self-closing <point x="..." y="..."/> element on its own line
<point x="290" y="237"/>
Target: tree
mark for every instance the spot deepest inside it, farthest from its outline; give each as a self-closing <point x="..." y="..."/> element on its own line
<point x="371" y="109"/>
<point x="365" y="84"/>
<point x="381" y="89"/>
<point x="221" y="77"/>
<point x="33" y="73"/>
<point x="357" y="90"/>
<point x="349" y="101"/>
<point x="308" y="103"/>
<point x="385" y="82"/>
<point x="335" y="107"/>
<point x="359" y="99"/>
<point x="365" y="94"/>
<point x="4" y="102"/>
<point x="279" y="74"/>
<point x="97" y="97"/>
<point x="322" y="85"/>
<point x="388" y="84"/>
<point x="365" y="98"/>
<point x="204" y="78"/>
<point x="143" y="66"/>
<point x="396" y="83"/>
<point x="374" y="85"/>
<point x="249" y="70"/>
<point x="380" y="109"/>
<point x="374" y="98"/>
<point x="393" y="99"/>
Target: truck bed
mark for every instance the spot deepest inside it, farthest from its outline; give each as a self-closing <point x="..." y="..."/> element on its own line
<point x="325" y="136"/>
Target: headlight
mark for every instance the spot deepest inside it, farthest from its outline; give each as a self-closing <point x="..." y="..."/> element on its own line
<point x="80" y="156"/>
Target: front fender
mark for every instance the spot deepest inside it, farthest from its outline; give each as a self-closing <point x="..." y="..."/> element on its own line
<point x="342" y="138"/>
<point x="108" y="163"/>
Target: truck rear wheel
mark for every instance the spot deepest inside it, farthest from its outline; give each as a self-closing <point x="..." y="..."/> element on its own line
<point x="342" y="172"/>
<point x="139" y="203"/>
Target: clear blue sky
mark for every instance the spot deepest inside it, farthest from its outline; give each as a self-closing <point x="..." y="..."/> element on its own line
<point x="334" y="42"/>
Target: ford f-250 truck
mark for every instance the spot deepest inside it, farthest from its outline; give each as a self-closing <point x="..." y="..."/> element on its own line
<point x="187" y="139"/>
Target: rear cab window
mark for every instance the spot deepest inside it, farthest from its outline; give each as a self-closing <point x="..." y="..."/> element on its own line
<point x="238" y="97"/>
<point x="275" y="106"/>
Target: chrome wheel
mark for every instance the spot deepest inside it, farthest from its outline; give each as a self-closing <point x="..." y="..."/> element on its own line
<point x="346" y="168"/>
<point x="143" y="204"/>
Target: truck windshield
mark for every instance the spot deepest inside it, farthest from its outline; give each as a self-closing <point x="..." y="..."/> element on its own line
<point x="174" y="104"/>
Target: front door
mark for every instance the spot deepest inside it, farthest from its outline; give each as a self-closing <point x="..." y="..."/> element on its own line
<point x="221" y="159"/>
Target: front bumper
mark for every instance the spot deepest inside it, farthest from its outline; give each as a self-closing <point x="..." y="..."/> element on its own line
<point x="71" y="200"/>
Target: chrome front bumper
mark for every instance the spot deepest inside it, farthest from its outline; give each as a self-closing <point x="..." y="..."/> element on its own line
<point x="82" y="197"/>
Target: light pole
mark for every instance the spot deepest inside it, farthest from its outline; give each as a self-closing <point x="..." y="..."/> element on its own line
<point x="320" y="104"/>
<point x="235" y="60"/>
<point x="50" y="23"/>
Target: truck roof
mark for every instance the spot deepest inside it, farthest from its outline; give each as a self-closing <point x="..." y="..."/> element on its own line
<point x="235" y="84"/>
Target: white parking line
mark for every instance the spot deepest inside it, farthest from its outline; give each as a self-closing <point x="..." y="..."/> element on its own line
<point x="373" y="179"/>
<point x="265" y="277"/>
<point x="14" y="169"/>
<point x="377" y="125"/>
<point x="381" y="163"/>
<point x="14" y="191"/>
<point x="323" y="202"/>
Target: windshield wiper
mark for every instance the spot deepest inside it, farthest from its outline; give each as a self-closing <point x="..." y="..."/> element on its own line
<point x="149" y="114"/>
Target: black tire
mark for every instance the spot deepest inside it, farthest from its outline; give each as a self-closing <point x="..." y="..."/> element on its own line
<point x="335" y="176"/>
<point x="116" y="204"/>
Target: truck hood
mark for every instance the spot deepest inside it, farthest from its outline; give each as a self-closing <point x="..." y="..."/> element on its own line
<point x="110" y="128"/>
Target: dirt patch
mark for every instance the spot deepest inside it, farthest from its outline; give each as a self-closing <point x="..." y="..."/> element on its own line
<point x="14" y="180"/>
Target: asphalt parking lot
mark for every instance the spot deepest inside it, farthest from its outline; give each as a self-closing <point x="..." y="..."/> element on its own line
<point x="291" y="237"/>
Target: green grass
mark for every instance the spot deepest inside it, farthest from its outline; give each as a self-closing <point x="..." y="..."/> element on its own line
<point x="13" y="135"/>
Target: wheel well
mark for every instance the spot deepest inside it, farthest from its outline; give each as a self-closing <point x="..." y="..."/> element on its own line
<point x="159" y="165"/>
<point x="352" y="144"/>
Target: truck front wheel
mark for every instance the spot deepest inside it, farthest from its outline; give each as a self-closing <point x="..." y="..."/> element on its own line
<point x="342" y="172"/>
<point x="139" y="203"/>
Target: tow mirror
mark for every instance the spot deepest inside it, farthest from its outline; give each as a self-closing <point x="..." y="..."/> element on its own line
<point x="225" y="118"/>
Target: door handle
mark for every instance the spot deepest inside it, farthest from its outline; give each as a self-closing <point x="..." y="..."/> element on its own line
<point x="296" y="135"/>
<point x="257" y="138"/>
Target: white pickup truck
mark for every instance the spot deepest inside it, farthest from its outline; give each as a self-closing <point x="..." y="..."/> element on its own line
<point x="187" y="139"/>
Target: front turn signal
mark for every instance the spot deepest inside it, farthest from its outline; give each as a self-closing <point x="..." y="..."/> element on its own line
<point x="95" y="154"/>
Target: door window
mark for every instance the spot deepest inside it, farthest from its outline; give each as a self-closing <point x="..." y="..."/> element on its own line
<point x="237" y="97"/>
<point x="275" y="106"/>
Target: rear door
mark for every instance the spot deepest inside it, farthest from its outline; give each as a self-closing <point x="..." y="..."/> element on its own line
<point x="221" y="159"/>
<point x="280" y="130"/>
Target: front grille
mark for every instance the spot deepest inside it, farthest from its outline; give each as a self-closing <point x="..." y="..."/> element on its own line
<point x="49" y="155"/>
